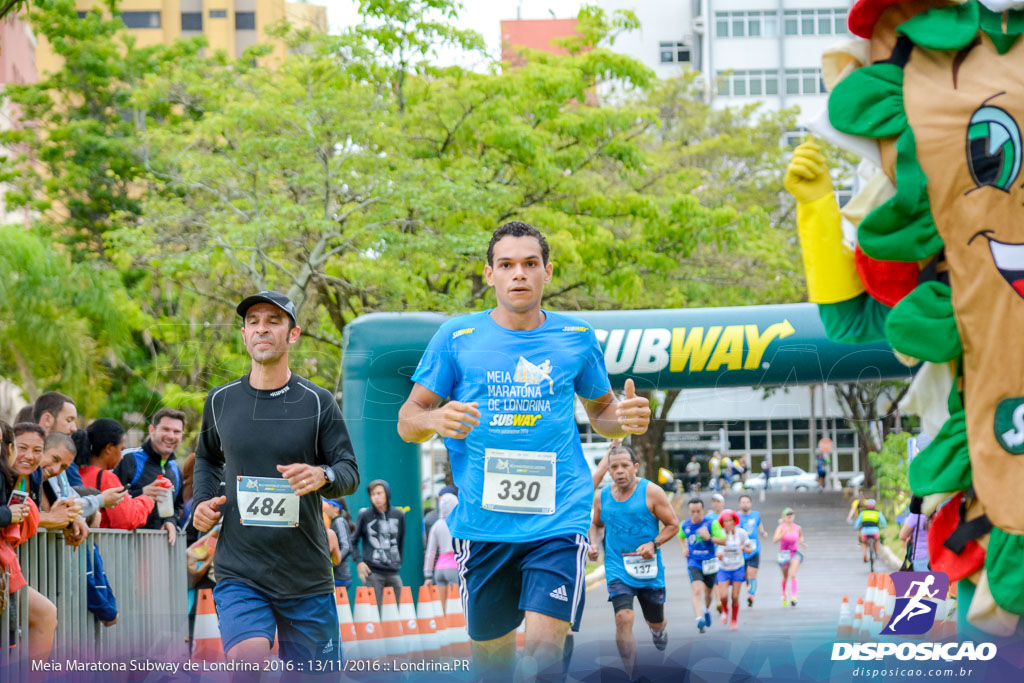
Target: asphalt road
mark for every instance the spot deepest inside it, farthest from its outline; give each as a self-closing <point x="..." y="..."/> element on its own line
<point x="833" y="568"/>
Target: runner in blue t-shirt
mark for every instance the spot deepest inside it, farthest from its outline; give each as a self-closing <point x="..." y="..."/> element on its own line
<point x="510" y="376"/>
<point x="698" y="540"/>
<point x="627" y="515"/>
<point x="750" y="521"/>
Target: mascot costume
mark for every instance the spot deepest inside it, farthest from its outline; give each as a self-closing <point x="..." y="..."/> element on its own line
<point x="930" y="256"/>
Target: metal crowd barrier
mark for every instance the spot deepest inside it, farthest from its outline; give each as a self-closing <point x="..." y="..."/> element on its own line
<point x="147" y="576"/>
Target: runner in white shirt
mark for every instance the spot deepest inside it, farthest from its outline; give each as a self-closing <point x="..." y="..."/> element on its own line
<point x="731" y="569"/>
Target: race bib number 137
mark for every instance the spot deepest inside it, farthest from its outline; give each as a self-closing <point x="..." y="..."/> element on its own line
<point x="519" y="481"/>
<point x="267" y="501"/>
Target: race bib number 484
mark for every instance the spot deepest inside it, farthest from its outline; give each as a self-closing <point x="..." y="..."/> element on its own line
<point x="519" y="481"/>
<point x="267" y="501"/>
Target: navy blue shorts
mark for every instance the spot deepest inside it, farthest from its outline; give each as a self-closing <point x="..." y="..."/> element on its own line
<point x="652" y="600"/>
<point x="307" y="627"/>
<point x="501" y="581"/>
<point x="754" y="560"/>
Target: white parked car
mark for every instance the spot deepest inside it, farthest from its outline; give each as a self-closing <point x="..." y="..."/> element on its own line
<point x="790" y="476"/>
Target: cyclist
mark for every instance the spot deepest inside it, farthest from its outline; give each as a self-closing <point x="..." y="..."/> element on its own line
<point x="870" y="523"/>
<point x="731" y="571"/>
<point x="790" y="538"/>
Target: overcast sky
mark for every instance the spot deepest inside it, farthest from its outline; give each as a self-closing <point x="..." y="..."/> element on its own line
<point x="482" y="16"/>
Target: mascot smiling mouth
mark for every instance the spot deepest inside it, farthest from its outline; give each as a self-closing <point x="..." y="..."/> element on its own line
<point x="1009" y="260"/>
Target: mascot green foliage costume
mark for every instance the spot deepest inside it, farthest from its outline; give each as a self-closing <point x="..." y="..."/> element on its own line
<point x="937" y="266"/>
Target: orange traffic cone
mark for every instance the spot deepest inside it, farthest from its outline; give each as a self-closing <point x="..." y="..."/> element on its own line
<point x="410" y="626"/>
<point x="455" y="619"/>
<point x="443" y="636"/>
<point x="349" y="638"/>
<point x="427" y="622"/>
<point x="391" y="626"/>
<point x="858" y="619"/>
<point x="845" y="628"/>
<point x="367" y="622"/>
<point x="890" y="594"/>
<point x="207" y="646"/>
<point x="869" y="597"/>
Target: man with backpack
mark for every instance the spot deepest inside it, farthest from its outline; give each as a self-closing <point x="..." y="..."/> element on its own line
<point x="140" y="467"/>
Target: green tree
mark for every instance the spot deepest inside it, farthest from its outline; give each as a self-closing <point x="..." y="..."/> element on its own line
<point x="871" y="410"/>
<point x="891" y="468"/>
<point x="64" y="324"/>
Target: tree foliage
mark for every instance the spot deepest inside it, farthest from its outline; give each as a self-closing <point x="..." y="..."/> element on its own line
<point x="357" y="177"/>
<point x="891" y="468"/>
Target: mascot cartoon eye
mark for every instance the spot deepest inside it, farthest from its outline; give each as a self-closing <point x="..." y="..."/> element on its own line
<point x="993" y="148"/>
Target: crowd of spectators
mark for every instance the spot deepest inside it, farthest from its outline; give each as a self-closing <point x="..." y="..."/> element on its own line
<point x="55" y="476"/>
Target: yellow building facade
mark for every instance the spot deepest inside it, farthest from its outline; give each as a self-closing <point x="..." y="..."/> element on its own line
<point x="229" y="25"/>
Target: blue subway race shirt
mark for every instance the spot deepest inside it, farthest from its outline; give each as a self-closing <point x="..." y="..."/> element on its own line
<point x="700" y="549"/>
<point x="750" y="523"/>
<point x="629" y="524"/>
<point x="525" y="383"/>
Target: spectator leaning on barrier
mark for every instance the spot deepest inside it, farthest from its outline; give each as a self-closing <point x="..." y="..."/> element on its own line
<point x="140" y="467"/>
<point x="60" y="507"/>
<point x="104" y="440"/>
<point x="380" y="531"/>
<point x="439" y="565"/>
<point x="55" y="412"/>
<point x="18" y="523"/>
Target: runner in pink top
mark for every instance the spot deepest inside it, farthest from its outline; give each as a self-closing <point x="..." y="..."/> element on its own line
<point x="790" y="538"/>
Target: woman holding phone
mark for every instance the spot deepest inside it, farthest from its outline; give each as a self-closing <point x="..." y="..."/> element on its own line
<point x="99" y="451"/>
<point x="19" y="520"/>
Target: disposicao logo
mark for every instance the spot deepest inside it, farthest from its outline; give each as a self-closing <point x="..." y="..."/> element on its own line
<point x="917" y="596"/>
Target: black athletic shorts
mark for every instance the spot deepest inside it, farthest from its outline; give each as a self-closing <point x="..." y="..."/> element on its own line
<point x="652" y="600"/>
<point x="754" y="561"/>
<point x="697" y="575"/>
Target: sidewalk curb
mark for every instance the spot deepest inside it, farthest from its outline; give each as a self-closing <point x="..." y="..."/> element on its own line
<point x="890" y="559"/>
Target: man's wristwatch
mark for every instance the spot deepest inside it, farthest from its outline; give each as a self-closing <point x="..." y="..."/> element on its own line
<point x="656" y="544"/>
<point x="328" y="474"/>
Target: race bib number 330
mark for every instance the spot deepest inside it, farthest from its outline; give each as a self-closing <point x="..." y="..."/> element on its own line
<point x="267" y="501"/>
<point x="519" y="481"/>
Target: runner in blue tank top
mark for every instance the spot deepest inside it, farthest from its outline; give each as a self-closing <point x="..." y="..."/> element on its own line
<point x="628" y="514"/>
<point x="698" y="536"/>
<point x="510" y="376"/>
<point x="750" y="521"/>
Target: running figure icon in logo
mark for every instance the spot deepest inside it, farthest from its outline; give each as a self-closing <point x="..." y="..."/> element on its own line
<point x="919" y="594"/>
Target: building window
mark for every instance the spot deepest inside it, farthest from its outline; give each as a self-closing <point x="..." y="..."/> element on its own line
<point x="82" y="14"/>
<point x="752" y="24"/>
<point x="141" y="19"/>
<point x="755" y="82"/>
<point x="218" y="14"/>
<point x="814" y="22"/>
<point x="672" y="52"/>
<point x="245" y="21"/>
<point x="191" y="21"/>
<point x="804" y="82"/>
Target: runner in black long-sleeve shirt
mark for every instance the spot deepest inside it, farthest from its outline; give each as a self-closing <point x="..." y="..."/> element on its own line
<point x="279" y="443"/>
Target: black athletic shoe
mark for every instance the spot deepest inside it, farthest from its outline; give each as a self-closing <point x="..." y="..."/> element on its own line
<point x="750" y="601"/>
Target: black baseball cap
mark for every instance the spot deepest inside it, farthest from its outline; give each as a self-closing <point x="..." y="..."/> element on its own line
<point x="268" y="296"/>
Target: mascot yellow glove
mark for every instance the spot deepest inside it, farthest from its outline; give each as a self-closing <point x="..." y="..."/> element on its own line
<point x="828" y="265"/>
